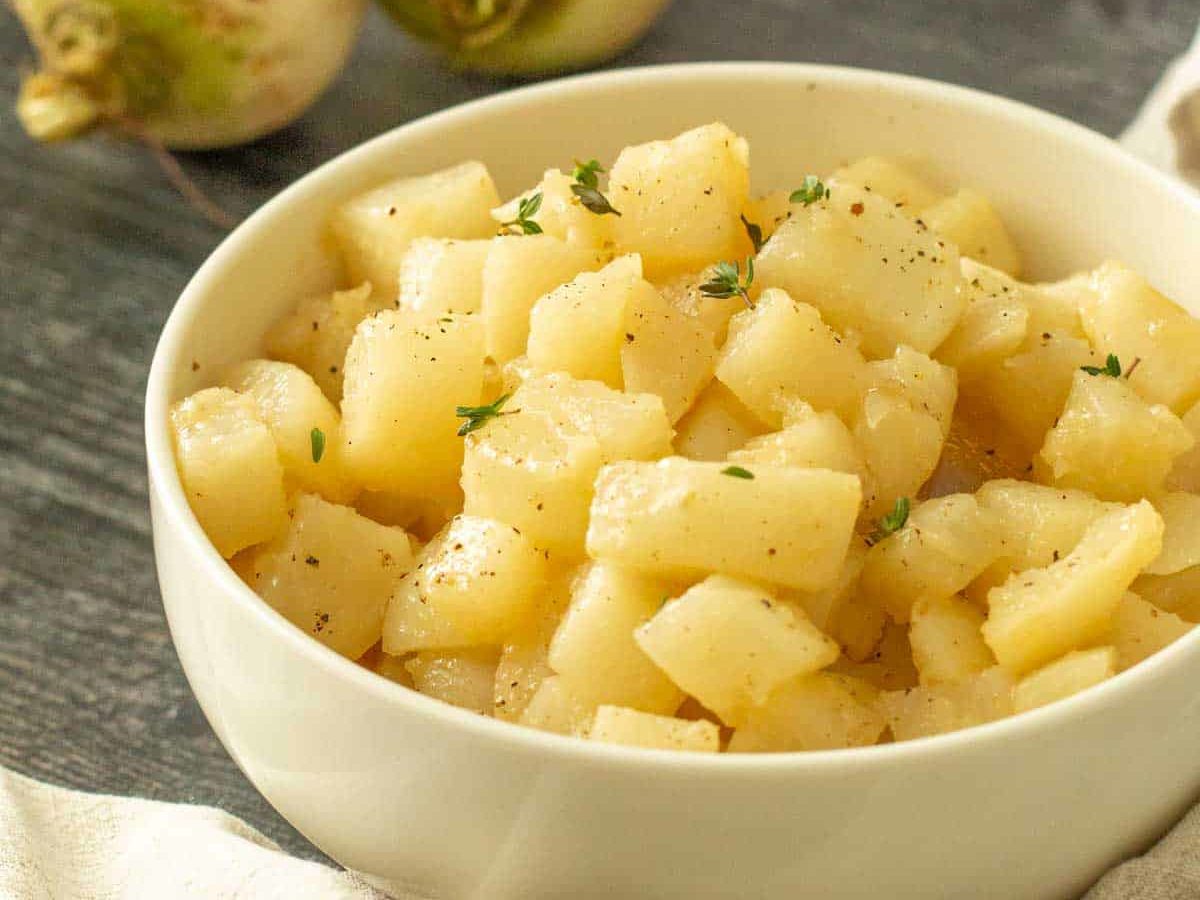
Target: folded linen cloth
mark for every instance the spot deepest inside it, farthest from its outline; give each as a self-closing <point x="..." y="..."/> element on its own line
<point x="57" y="844"/>
<point x="1170" y="871"/>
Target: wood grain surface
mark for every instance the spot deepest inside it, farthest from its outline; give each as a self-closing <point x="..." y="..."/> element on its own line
<point x="95" y="246"/>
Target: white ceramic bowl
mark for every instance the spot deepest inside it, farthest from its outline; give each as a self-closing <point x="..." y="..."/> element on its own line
<point x="444" y="803"/>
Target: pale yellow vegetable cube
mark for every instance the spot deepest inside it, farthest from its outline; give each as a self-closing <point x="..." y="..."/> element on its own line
<point x="403" y="382"/>
<point x="560" y="214"/>
<point x="945" y="544"/>
<point x="1126" y="316"/>
<point x="440" y="276"/>
<point x="1185" y="474"/>
<point x="815" y="712"/>
<point x="947" y="643"/>
<point x="459" y="677"/>
<point x="522" y="468"/>
<point x="811" y="440"/>
<point x="633" y="728"/>
<point x="845" y="252"/>
<point x="535" y="467"/>
<point x="717" y="424"/>
<point x="291" y="405"/>
<point x="1075" y="672"/>
<point x="1040" y="614"/>
<point x="1140" y="629"/>
<point x="1178" y="593"/>
<point x="675" y="517"/>
<point x="230" y="469"/>
<point x="769" y="211"/>
<point x="612" y="326"/>
<point x="331" y="573"/>
<point x="627" y="425"/>
<point x="859" y="627"/>
<point x="1027" y="391"/>
<point x="924" y="711"/>
<point x="665" y="352"/>
<point x="594" y="650"/>
<point x="993" y="326"/>
<point x="1181" y="537"/>
<point x="554" y="708"/>
<point x="782" y="349"/>
<point x="824" y="607"/>
<point x="1054" y="306"/>
<point x="519" y="674"/>
<point x="969" y="220"/>
<point x="317" y="334"/>
<point x="472" y="585"/>
<point x="890" y="179"/>
<point x="1111" y="442"/>
<point x="711" y="313"/>
<point x="579" y="328"/>
<point x="900" y="445"/>
<point x="524" y="664"/>
<point x="374" y="229"/>
<point x="889" y="663"/>
<point x="519" y="270"/>
<point x="1038" y="526"/>
<point x="423" y="517"/>
<point x="928" y="385"/>
<point x="680" y="199"/>
<point x="730" y="643"/>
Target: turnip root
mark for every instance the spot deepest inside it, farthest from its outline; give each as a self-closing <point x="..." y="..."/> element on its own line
<point x="527" y="37"/>
<point x="185" y="74"/>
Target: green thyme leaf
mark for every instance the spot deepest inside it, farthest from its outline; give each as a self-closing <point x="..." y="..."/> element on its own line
<point x="587" y="188"/>
<point x="892" y="522"/>
<point x="317" y="439"/>
<point x="526" y="209"/>
<point x="478" y="416"/>
<point x="529" y="206"/>
<point x="738" y="472"/>
<point x="754" y="232"/>
<point x="727" y="281"/>
<point x="1111" y="367"/>
<point x="593" y="200"/>
<point x="586" y="173"/>
<point x="810" y="191"/>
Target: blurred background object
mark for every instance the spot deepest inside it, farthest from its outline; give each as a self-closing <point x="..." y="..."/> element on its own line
<point x="203" y="74"/>
<point x="527" y="37"/>
<point x="195" y="74"/>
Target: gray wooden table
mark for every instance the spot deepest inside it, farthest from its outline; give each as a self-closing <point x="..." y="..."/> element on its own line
<point x="95" y="246"/>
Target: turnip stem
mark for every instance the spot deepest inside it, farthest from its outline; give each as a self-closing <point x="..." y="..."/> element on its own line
<point x="182" y="181"/>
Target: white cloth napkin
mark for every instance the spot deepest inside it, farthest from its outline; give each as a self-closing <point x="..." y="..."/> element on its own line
<point x="1166" y="133"/>
<point x="58" y="843"/>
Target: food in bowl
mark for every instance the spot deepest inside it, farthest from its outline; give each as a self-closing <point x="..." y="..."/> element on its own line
<point x="665" y="465"/>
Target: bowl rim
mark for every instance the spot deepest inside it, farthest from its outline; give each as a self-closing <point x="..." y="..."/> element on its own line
<point x="182" y="523"/>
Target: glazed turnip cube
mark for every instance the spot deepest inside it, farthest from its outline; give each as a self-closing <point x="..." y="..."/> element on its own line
<point x="230" y="468"/>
